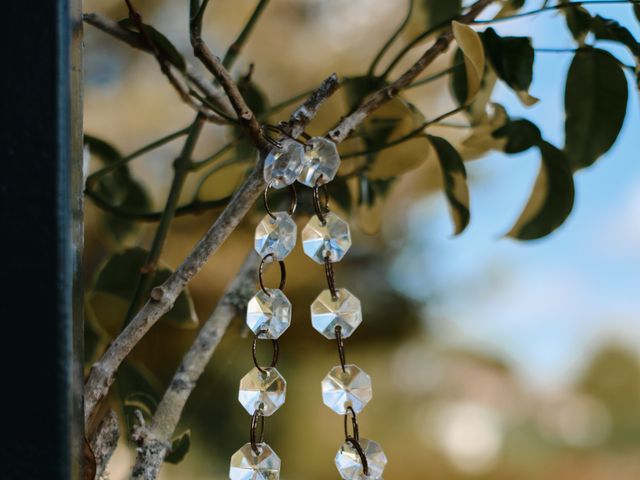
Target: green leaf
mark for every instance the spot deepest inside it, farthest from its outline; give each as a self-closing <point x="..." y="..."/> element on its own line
<point x="459" y="82"/>
<point x="119" y="189"/>
<point x="393" y="120"/>
<point x="472" y="50"/>
<point x="521" y="135"/>
<point x="551" y="200"/>
<point x="102" y="149"/>
<point x="135" y="199"/>
<point x="371" y="194"/>
<point x="439" y="11"/>
<point x="341" y="194"/>
<point x="258" y="102"/>
<point x="254" y="96"/>
<point x="596" y="103"/>
<point x="114" y="287"/>
<point x="455" y="181"/>
<point x="223" y="178"/>
<point x="138" y="389"/>
<point x="512" y="60"/>
<point x="607" y="29"/>
<point x="164" y="45"/>
<point x="357" y="88"/>
<point x="481" y="138"/>
<point x="579" y="22"/>
<point x="144" y="402"/>
<point x="179" y="448"/>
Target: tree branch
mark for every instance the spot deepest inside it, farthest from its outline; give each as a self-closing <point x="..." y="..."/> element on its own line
<point x="105" y="441"/>
<point x="214" y="96"/>
<point x="246" y="118"/>
<point x="103" y="372"/>
<point x="348" y="124"/>
<point x="154" y="439"/>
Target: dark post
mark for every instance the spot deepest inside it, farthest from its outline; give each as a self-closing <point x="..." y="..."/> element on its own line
<point x="41" y="240"/>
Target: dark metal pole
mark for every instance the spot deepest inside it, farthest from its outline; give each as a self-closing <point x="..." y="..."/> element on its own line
<point x="40" y="240"/>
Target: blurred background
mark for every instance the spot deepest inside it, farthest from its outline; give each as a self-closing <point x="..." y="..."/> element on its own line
<point x="490" y="358"/>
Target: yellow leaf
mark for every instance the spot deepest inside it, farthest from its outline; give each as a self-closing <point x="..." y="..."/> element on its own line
<point x="400" y="159"/>
<point x="481" y="139"/>
<point x="474" y="58"/>
<point x="551" y="199"/>
<point x="527" y="99"/>
<point x="221" y="181"/>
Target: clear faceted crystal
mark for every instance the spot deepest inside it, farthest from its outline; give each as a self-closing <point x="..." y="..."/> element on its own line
<point x="320" y="158"/>
<point x="282" y="166"/>
<point x="247" y="465"/>
<point x="276" y="235"/>
<point x="333" y="239"/>
<point x="269" y="314"/>
<point x="344" y="311"/>
<point x="349" y="463"/>
<point x="348" y="388"/>
<point x="262" y="391"/>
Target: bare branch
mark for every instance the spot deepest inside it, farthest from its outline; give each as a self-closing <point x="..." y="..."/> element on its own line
<point x="162" y="297"/>
<point x="105" y="441"/>
<point x="154" y="440"/>
<point x="348" y="124"/>
<point x="246" y="117"/>
<point x="214" y="96"/>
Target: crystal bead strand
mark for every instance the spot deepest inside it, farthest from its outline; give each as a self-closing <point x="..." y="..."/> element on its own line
<point x="336" y="313"/>
<point x="263" y="389"/>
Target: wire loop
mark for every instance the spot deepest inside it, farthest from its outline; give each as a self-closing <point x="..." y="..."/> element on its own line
<point x="354" y="424"/>
<point x="283" y="273"/>
<point x="292" y="205"/>
<point x="321" y="208"/>
<point x="341" y="353"/>
<point x="254" y="439"/>
<point x="254" y="352"/>
<point x="331" y="277"/>
<point x="363" y="458"/>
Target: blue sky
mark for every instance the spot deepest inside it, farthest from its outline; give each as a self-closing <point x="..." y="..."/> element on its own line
<point x="544" y="305"/>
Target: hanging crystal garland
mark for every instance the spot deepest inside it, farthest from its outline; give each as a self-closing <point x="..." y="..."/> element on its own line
<point x="263" y="389"/>
<point x="336" y="313"/>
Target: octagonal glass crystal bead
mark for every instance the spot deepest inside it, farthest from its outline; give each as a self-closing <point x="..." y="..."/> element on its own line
<point x="345" y="311"/>
<point x="269" y="313"/>
<point x="321" y="158"/>
<point x="349" y="463"/>
<point x="276" y="235"/>
<point x="333" y="239"/>
<point x="348" y="388"/>
<point x="262" y="391"/>
<point x="282" y="166"/>
<point x="247" y="465"/>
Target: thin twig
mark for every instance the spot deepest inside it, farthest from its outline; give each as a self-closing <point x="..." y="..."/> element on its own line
<point x="194" y="207"/>
<point x="91" y="179"/>
<point x="236" y="46"/>
<point x="416" y="132"/>
<point x="214" y="96"/>
<point x="181" y="169"/>
<point x="392" y="39"/>
<point x="348" y="124"/>
<point x="591" y="50"/>
<point x="154" y="439"/>
<point x="560" y="6"/>
<point x="165" y="66"/>
<point x="247" y="119"/>
<point x="435" y="76"/>
<point x="103" y="372"/>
